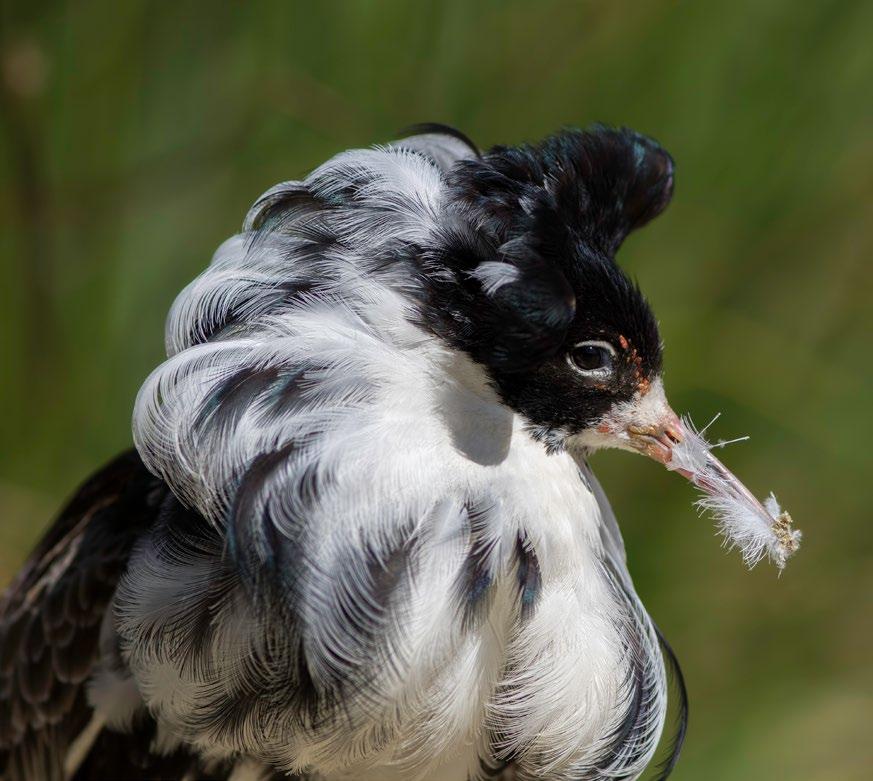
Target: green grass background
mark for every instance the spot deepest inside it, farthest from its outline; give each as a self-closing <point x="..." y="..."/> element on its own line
<point x="134" y="135"/>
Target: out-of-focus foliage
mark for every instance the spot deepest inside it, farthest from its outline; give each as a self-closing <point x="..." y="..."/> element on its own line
<point x="134" y="135"/>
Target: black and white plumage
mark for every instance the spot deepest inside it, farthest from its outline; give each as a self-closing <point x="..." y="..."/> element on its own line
<point x="359" y="539"/>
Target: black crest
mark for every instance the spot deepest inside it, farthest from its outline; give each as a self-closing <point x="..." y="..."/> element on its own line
<point x="532" y="248"/>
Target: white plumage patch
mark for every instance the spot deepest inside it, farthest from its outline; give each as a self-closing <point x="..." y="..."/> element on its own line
<point x="494" y="275"/>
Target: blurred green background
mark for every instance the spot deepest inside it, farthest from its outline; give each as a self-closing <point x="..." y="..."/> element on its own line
<point x="134" y="135"/>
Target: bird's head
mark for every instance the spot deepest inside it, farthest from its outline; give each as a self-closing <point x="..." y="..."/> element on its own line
<point x="568" y="339"/>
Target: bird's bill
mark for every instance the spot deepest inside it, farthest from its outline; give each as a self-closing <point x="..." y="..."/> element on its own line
<point x="648" y="425"/>
<point x="657" y="440"/>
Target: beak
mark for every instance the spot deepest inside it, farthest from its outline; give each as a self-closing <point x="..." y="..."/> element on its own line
<point x="657" y="440"/>
<point x="646" y="424"/>
<point x="649" y="426"/>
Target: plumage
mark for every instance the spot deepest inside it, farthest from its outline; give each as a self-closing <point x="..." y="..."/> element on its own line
<point x="359" y="537"/>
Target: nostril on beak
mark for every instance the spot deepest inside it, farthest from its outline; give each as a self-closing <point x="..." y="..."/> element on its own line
<point x="673" y="433"/>
<point x="671" y="429"/>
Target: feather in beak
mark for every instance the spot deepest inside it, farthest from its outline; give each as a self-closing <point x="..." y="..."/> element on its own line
<point x="649" y="426"/>
<point x="756" y="529"/>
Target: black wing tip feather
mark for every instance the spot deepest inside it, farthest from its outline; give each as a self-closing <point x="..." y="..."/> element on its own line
<point x="438" y="128"/>
<point x="665" y="767"/>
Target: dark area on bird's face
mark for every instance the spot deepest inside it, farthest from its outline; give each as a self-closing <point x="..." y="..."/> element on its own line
<point x="611" y="352"/>
<point x="571" y="335"/>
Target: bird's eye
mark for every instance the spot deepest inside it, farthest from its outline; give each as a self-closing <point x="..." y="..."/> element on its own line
<point x="592" y="357"/>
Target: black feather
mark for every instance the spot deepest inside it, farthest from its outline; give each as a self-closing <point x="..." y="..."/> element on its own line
<point x="677" y="740"/>
<point x="473" y="587"/>
<point x="529" y="577"/>
<point x="438" y="128"/>
<point x="50" y="617"/>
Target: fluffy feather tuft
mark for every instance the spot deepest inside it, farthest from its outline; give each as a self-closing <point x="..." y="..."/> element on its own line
<point x="757" y="529"/>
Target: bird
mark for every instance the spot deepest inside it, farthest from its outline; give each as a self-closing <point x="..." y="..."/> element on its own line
<point x="358" y="537"/>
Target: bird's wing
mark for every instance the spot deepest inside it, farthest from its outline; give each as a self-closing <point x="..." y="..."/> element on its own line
<point x="51" y="616"/>
<point x="614" y="550"/>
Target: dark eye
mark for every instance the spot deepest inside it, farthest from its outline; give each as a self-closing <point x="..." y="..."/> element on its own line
<point x="592" y="357"/>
